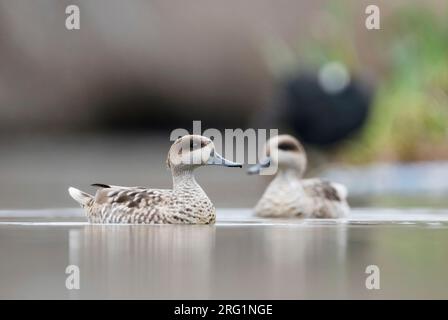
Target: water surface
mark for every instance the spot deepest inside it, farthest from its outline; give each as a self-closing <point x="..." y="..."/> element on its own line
<point x="239" y="257"/>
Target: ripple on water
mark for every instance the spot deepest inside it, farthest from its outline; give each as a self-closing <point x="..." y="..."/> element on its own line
<point x="244" y="217"/>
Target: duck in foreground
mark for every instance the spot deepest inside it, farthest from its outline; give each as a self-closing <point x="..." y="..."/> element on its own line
<point x="288" y="195"/>
<point x="186" y="203"/>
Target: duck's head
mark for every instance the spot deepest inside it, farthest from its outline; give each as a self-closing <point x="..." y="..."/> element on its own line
<point x="284" y="152"/>
<point x="192" y="151"/>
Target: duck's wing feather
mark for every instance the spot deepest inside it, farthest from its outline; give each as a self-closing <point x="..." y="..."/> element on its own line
<point x="132" y="197"/>
<point x="109" y="186"/>
<point x="329" y="198"/>
<point x="130" y="205"/>
<point x="318" y="188"/>
<point x="100" y="185"/>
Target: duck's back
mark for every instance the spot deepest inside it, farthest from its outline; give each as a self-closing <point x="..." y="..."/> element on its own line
<point x="328" y="198"/>
<point x="115" y="204"/>
<point x="139" y="205"/>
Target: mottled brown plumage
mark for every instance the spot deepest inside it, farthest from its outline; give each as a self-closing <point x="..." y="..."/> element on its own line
<point x="186" y="203"/>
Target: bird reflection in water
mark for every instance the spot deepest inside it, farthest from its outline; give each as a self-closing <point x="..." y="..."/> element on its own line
<point x="166" y="261"/>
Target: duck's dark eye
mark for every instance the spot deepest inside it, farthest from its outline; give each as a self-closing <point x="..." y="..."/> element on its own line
<point x="288" y="146"/>
<point x="197" y="144"/>
<point x="194" y="145"/>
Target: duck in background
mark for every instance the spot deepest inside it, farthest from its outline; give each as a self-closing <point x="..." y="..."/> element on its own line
<point x="288" y="194"/>
<point x="186" y="203"/>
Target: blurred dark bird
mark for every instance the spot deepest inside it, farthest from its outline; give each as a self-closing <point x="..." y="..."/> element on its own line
<point x="326" y="107"/>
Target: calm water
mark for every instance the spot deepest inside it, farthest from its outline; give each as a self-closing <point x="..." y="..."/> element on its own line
<point x="239" y="257"/>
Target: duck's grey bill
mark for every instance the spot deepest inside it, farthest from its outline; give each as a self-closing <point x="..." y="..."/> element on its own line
<point x="217" y="159"/>
<point x="255" y="169"/>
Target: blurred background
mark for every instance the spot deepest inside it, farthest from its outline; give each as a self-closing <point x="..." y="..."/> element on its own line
<point x="98" y="104"/>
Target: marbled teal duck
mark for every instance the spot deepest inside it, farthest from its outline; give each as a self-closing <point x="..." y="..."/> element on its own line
<point x="186" y="203"/>
<point x="288" y="194"/>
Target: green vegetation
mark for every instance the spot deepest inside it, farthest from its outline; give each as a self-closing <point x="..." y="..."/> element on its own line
<point x="409" y="117"/>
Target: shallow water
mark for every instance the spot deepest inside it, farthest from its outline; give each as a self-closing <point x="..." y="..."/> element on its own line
<point x="239" y="257"/>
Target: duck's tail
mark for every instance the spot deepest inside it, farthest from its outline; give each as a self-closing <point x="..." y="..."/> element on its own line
<point x="83" y="198"/>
